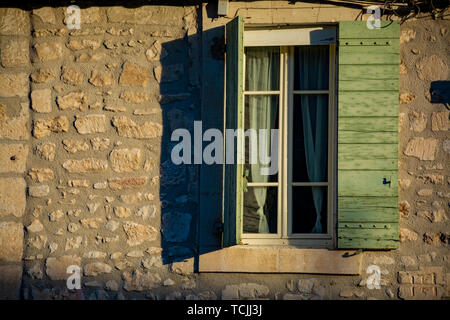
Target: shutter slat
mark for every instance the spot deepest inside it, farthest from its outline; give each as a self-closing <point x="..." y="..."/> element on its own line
<point x="358" y="30"/>
<point x="368" y="124"/>
<point x="367" y="183"/>
<point x="355" y="56"/>
<point x="368" y="104"/>
<point x="375" y="164"/>
<point x="367" y="72"/>
<point x="390" y="233"/>
<point x="368" y="157"/>
<point x="365" y="243"/>
<point x="387" y="50"/>
<point x="367" y="152"/>
<point x="368" y="203"/>
<point x="368" y="214"/>
<point x="375" y="42"/>
<point x="368" y="136"/>
<point x="368" y="85"/>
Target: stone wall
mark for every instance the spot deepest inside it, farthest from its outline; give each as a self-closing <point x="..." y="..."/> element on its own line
<point x="424" y="165"/>
<point x="15" y="128"/>
<point x="85" y="123"/>
<point x="82" y="140"/>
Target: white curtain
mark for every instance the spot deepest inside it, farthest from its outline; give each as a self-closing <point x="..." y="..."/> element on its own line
<point x="262" y="115"/>
<point x="313" y="72"/>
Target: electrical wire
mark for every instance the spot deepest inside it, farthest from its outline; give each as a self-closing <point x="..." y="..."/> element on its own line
<point x="390" y="8"/>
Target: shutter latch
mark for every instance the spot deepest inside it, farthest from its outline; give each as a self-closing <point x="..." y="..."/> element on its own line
<point x="387" y="182"/>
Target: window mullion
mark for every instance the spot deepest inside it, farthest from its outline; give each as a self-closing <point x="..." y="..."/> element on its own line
<point x="285" y="164"/>
<point x="332" y="159"/>
<point x="262" y="184"/>
<point x="280" y="142"/>
<point x="310" y="184"/>
<point x="268" y="92"/>
<point x="311" y="91"/>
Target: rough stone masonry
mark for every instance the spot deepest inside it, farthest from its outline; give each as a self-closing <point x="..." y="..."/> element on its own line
<point x="83" y="160"/>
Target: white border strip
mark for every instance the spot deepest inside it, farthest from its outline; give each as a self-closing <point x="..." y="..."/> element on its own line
<point x="289" y="37"/>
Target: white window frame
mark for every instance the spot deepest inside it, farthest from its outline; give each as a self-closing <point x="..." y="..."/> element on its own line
<point x="286" y="39"/>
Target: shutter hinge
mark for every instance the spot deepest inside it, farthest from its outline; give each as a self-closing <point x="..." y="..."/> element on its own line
<point x="218" y="48"/>
<point x="218" y="227"/>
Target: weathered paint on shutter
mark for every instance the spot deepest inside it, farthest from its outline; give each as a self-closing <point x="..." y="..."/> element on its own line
<point x="234" y="38"/>
<point x="368" y="136"/>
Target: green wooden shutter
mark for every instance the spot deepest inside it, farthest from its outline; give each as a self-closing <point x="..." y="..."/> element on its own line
<point x="234" y="38"/>
<point x="368" y="136"/>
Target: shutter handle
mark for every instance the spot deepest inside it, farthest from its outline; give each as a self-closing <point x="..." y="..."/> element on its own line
<point x="346" y="255"/>
<point x="245" y="181"/>
<point x="387" y="182"/>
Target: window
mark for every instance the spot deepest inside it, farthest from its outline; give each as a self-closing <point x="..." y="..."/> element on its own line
<point x="289" y="89"/>
<point x="337" y="155"/>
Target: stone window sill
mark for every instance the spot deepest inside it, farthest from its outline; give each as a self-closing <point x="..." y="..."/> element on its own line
<point x="263" y="259"/>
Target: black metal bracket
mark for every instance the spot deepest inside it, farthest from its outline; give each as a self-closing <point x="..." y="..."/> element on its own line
<point x="347" y="255"/>
<point x="386" y="182"/>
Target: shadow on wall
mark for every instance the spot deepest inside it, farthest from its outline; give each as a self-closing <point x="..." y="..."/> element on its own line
<point x="191" y="194"/>
<point x="179" y="183"/>
<point x="184" y="193"/>
<point x="191" y="81"/>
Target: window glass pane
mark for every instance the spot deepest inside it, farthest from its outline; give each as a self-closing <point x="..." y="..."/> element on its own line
<point x="309" y="210"/>
<point x="262" y="68"/>
<point x="311" y="65"/>
<point x="310" y="138"/>
<point x="260" y="210"/>
<point x="261" y="142"/>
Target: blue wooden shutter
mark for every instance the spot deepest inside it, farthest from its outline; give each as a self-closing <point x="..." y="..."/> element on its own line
<point x="234" y="39"/>
<point x="368" y="136"/>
